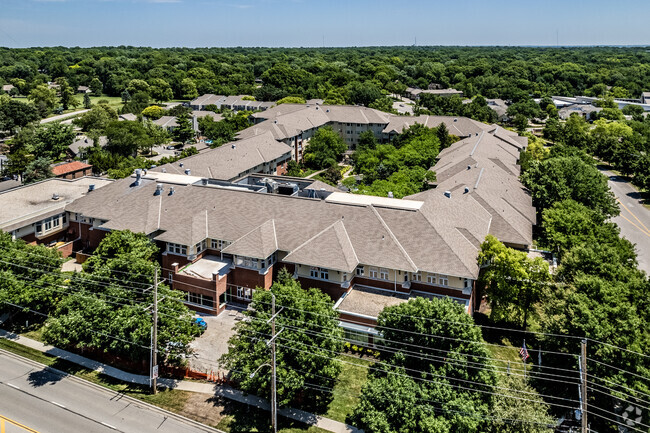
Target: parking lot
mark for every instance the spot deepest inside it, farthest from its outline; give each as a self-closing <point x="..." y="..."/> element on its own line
<point x="209" y="347"/>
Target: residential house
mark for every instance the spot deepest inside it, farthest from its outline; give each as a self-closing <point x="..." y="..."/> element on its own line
<point x="167" y="123"/>
<point x="8" y="87"/>
<point x="586" y="111"/>
<point x="83" y="89"/>
<point x="414" y="93"/>
<point x="78" y="148"/>
<point x="258" y="154"/>
<point x="35" y="212"/>
<point x="645" y="98"/>
<point x="72" y="170"/>
<point x="128" y="116"/>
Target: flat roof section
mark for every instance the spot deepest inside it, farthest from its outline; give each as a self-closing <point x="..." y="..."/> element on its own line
<point x="366" y="200"/>
<point x="208" y="266"/>
<point x="367" y="301"/>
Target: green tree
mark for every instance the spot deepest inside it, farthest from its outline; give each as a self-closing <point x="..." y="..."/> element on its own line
<point x="306" y="354"/>
<point x="126" y="96"/>
<point x="97" y="119"/>
<point x="122" y="268"/>
<point x="184" y="131"/>
<point x="513" y="281"/>
<point x="188" y="89"/>
<point x="66" y="94"/>
<point x="37" y="170"/>
<point x="153" y="112"/>
<point x="96" y="87"/>
<point x="410" y="390"/>
<point x="125" y="138"/>
<point x="160" y="90"/>
<point x="15" y="114"/>
<point x="325" y="148"/>
<point x="508" y="405"/>
<point x="570" y="177"/>
<point x="87" y="103"/>
<point x="291" y="100"/>
<point x="43" y="98"/>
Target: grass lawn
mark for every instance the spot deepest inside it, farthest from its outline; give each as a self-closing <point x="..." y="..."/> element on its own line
<point x="113" y="101"/>
<point x="348" y="388"/>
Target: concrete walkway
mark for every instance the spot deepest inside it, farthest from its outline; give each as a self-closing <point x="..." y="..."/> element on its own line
<point x="64" y="116"/>
<point x="185" y="385"/>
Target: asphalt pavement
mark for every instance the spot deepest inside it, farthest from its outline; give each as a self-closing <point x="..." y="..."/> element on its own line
<point x="634" y="220"/>
<point x="64" y="116"/>
<point x="50" y="402"/>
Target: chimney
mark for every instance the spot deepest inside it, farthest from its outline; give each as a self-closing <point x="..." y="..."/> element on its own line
<point x="159" y="189"/>
<point x="448" y="194"/>
<point x="171" y="190"/>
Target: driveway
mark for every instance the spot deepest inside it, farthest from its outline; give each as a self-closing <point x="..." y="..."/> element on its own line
<point x="209" y="347"/>
<point x="634" y="219"/>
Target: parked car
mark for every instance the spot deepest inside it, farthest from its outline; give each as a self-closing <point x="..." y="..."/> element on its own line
<point x="198" y="321"/>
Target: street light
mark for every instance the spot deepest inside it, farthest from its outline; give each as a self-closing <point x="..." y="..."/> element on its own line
<point x="252" y="375"/>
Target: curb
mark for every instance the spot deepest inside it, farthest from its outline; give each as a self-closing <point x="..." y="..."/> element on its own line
<point x="123" y="396"/>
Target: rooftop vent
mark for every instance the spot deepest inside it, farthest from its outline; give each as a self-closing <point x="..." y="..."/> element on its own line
<point x="164" y="170"/>
<point x="91" y="187"/>
<point x="181" y="164"/>
<point x="55" y="196"/>
<point x="448" y="194"/>
<point x="159" y="189"/>
<point x="234" y="146"/>
<point x="466" y="189"/>
<point x="275" y="121"/>
<point x="138" y="176"/>
<point x="327" y="110"/>
<point x="144" y="172"/>
<point x="204" y="181"/>
<point x="390" y="194"/>
<point x="171" y="190"/>
<point x="469" y="167"/>
<point x="456" y="120"/>
<point x="188" y="171"/>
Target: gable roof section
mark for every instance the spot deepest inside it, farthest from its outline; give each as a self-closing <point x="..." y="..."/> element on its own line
<point x="259" y="243"/>
<point x="331" y="249"/>
<point x="69" y="167"/>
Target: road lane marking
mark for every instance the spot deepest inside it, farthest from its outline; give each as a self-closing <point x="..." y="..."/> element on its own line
<point x="109" y="426"/>
<point x="13" y="386"/>
<point x="17" y="424"/>
<point x="632" y="213"/>
<point x="631" y="222"/>
<point x="58" y="404"/>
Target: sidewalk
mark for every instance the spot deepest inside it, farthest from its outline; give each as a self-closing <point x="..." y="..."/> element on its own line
<point x="185" y="385"/>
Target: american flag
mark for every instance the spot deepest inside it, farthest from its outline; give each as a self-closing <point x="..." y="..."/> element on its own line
<point x="524" y="352"/>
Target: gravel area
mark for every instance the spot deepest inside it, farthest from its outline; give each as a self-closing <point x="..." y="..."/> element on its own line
<point x="209" y="347"/>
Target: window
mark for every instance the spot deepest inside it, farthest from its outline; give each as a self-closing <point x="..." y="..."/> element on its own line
<point x="417" y="276"/>
<point x="199" y="299"/>
<point x="357" y="337"/>
<point x="443" y="280"/>
<point x="373" y="272"/>
<point x="177" y="248"/>
<point x="324" y="274"/>
<point x="47" y="225"/>
<point x="65" y="218"/>
<point x="56" y="222"/>
<point x="321" y="273"/>
<point x="313" y="272"/>
<point x="431" y="279"/>
<point x="383" y="274"/>
<point x="215" y="244"/>
<point x="200" y="246"/>
<point x="360" y="271"/>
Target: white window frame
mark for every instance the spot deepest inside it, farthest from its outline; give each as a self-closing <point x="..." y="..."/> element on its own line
<point x="324" y="274"/>
<point x="360" y="271"/>
<point x="177" y="248"/>
<point x="313" y="272"/>
<point x="431" y="279"/>
<point x="383" y="274"/>
<point x="417" y="276"/>
<point x="373" y="272"/>
<point x="443" y="280"/>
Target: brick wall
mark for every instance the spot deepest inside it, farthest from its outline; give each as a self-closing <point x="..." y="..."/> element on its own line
<point x="334" y="290"/>
<point x="250" y="278"/>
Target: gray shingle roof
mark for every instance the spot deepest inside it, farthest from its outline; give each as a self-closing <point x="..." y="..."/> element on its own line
<point x="232" y="159"/>
<point x="259" y="243"/>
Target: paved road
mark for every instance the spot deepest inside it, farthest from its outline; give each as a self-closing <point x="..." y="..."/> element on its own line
<point x="634" y="219"/>
<point x="50" y="403"/>
<point x="63" y="116"/>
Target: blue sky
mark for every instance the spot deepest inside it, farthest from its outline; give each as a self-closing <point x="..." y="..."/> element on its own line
<point x="297" y="23"/>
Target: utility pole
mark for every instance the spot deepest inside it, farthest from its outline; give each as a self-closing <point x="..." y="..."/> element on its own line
<point x="274" y="407"/>
<point x="583" y="383"/>
<point x="154" y="343"/>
